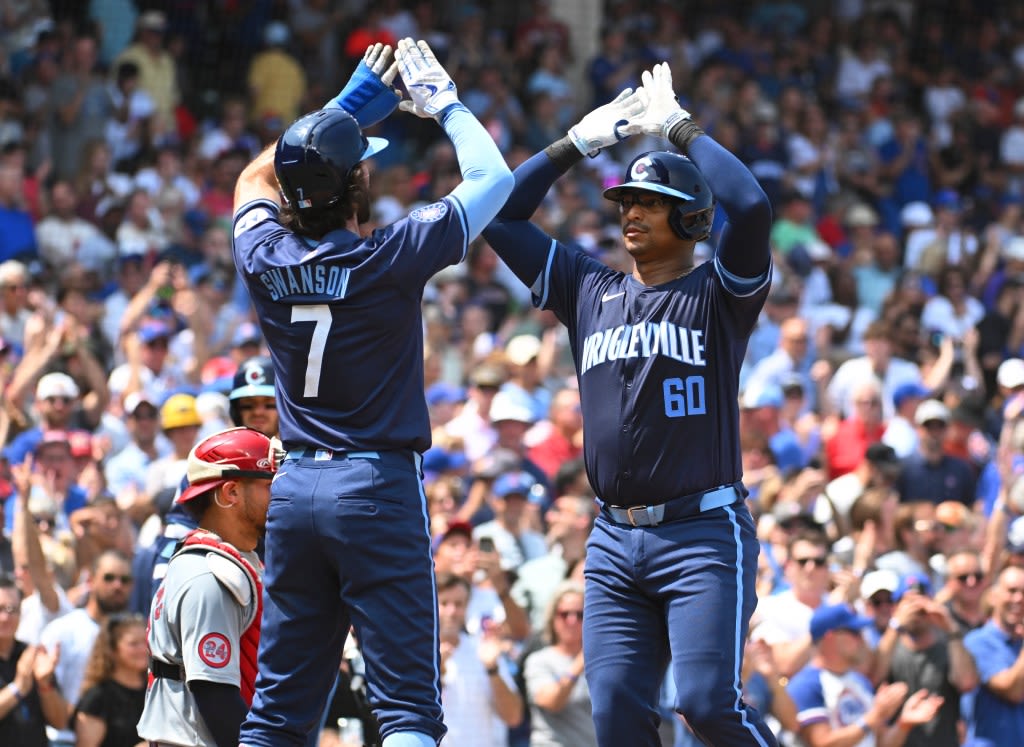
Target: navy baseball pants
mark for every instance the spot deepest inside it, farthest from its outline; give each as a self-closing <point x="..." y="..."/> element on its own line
<point x="680" y="592"/>
<point x="347" y="541"/>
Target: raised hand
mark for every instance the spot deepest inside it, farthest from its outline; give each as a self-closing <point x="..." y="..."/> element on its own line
<point x="376" y="59"/>
<point x="369" y="95"/>
<point x="662" y="108"/>
<point x="608" y="124"/>
<point x="431" y="89"/>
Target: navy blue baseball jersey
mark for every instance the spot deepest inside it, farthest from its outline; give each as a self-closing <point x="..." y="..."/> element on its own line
<point x="342" y="321"/>
<point x="658" y="370"/>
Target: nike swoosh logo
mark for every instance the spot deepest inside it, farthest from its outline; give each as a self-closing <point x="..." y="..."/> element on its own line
<point x="432" y="89"/>
<point x="610" y="296"/>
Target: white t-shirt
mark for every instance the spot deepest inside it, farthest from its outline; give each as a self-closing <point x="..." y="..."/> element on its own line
<point x="75" y="632"/>
<point x="35" y="617"/>
<point x="468" y="699"/>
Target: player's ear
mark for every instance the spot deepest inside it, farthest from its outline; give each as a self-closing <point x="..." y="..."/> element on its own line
<point x="229" y="494"/>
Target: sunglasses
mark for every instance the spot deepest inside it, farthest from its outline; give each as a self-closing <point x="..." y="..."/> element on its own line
<point x="61" y="400"/>
<point x="974" y="576"/>
<point x="818" y="561"/>
<point x="645" y="202"/>
<point x="574" y="614"/>
<point x="109" y="578"/>
<point x="881" y="599"/>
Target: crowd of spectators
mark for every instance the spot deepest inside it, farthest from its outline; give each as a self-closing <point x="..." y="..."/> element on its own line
<point x="883" y="388"/>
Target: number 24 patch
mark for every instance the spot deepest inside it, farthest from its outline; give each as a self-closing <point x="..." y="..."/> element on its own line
<point x="215" y="650"/>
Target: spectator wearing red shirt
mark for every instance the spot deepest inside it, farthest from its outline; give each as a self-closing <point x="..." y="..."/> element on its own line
<point x="846" y="448"/>
<point x="564" y="440"/>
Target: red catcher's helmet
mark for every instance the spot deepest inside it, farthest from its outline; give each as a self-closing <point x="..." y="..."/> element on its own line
<point x="228" y="455"/>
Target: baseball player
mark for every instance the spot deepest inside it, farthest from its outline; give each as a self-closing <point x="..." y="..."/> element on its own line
<point x="204" y="626"/>
<point x="347" y="531"/>
<point x="672" y="559"/>
<point x="251" y="398"/>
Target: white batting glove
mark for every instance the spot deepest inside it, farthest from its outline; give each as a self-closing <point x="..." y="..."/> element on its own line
<point x="662" y="107"/>
<point x="608" y="124"/>
<point x="431" y="89"/>
<point x="376" y="58"/>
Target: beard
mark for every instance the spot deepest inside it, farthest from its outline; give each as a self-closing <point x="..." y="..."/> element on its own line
<point x="110" y="606"/>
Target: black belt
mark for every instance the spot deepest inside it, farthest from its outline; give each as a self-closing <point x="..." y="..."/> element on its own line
<point x="167" y="671"/>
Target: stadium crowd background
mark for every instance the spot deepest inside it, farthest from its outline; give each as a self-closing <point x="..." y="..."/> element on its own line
<point x="882" y="390"/>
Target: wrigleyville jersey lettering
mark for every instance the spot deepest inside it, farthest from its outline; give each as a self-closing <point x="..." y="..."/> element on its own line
<point x="658" y="369"/>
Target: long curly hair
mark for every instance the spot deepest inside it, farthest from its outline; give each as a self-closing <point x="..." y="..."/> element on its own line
<point x="100" y="666"/>
<point x="354" y="202"/>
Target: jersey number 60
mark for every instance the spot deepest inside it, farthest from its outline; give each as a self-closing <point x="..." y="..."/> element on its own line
<point x="684" y="398"/>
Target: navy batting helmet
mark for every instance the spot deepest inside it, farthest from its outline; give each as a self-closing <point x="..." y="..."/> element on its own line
<point x="254" y="378"/>
<point x="315" y="155"/>
<point x="675" y="176"/>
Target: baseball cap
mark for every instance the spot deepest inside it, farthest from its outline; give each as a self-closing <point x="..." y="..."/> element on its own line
<point x="514" y="483"/>
<point x="860" y="215"/>
<point x="881" y="455"/>
<point x="1015" y="537"/>
<point x="1010" y="373"/>
<point x="913" y="581"/>
<point x="81" y="443"/>
<point x="507" y="406"/>
<point x="522" y="349"/>
<point x="1014" y="249"/>
<point x="876" y="581"/>
<point x="761" y="395"/>
<point x="463" y="528"/>
<point x="948" y="199"/>
<point x="179" y="411"/>
<point x="907" y="391"/>
<point x="153" y="330"/>
<point x="487" y="375"/>
<point x="437" y="459"/>
<point x="135" y="400"/>
<point x="836" y="617"/>
<point x="916" y="215"/>
<point x="246" y="334"/>
<point x="153" y="20"/>
<point x="442" y="392"/>
<point x="56" y="384"/>
<point x="50" y="437"/>
<point x="931" y="409"/>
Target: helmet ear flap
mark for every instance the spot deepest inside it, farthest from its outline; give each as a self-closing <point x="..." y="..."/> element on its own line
<point x="700" y="222"/>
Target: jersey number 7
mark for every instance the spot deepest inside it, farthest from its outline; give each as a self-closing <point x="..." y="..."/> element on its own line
<point x="321" y="314"/>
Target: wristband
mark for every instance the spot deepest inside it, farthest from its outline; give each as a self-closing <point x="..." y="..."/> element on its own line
<point x="46" y="685"/>
<point x="863" y="724"/>
<point x="564" y="153"/>
<point x="16" y="692"/>
<point x="682" y="133"/>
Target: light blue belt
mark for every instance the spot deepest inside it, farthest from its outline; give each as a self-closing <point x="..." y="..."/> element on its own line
<point x="652" y="516"/>
<point x="327" y="455"/>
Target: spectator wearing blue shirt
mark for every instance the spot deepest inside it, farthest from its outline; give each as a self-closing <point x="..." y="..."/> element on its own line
<point x="999" y="655"/>
<point x="930" y="475"/>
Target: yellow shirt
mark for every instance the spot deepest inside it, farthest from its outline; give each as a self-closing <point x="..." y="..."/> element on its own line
<point x="278" y="86"/>
<point x="159" y="78"/>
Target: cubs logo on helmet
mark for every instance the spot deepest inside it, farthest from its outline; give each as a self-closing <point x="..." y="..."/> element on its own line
<point x="254" y="378"/>
<point x="675" y="176"/>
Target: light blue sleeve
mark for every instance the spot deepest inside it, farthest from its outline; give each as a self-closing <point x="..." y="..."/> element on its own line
<point x="487" y="180"/>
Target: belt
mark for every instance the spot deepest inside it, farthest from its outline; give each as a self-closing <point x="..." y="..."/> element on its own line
<point x="677" y="508"/>
<point x="167" y="671"/>
<point x="327" y="455"/>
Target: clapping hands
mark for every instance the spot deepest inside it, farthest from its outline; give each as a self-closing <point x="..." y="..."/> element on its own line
<point x="652" y="109"/>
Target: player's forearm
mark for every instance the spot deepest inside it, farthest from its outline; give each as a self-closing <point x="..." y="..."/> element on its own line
<point x="487" y="180"/>
<point x="258" y="180"/>
<point x="534" y="177"/>
<point x="744" y="249"/>
<point x="222" y="709"/>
